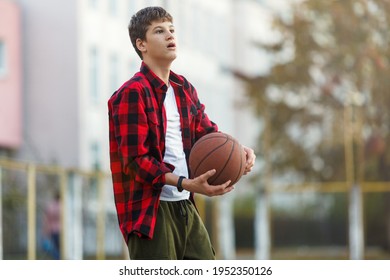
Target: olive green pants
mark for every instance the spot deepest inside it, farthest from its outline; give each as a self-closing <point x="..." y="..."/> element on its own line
<point x="179" y="234"/>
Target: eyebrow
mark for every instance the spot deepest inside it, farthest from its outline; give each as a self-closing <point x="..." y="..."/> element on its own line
<point x="160" y="26"/>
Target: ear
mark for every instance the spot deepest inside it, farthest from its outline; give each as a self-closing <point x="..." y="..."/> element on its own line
<point x="140" y="45"/>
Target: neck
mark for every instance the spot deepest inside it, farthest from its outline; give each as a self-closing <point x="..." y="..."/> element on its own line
<point x="161" y="70"/>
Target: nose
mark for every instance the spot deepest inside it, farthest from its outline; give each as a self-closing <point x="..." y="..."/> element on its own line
<point x="170" y="35"/>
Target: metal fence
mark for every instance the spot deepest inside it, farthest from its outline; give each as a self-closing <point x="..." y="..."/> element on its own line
<point x="89" y="227"/>
<point x="88" y="220"/>
<point x="324" y="220"/>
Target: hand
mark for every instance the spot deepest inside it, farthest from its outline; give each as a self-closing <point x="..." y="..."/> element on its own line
<point x="200" y="185"/>
<point x="250" y="159"/>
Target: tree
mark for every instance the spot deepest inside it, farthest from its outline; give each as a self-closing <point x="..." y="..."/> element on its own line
<point x="332" y="59"/>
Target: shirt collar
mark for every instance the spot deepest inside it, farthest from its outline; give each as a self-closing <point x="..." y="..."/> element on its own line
<point x="156" y="82"/>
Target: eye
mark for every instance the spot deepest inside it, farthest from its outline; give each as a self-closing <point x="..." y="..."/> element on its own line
<point x="172" y="30"/>
<point x="159" y="31"/>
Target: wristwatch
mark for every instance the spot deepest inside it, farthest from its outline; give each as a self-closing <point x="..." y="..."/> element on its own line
<point x="179" y="186"/>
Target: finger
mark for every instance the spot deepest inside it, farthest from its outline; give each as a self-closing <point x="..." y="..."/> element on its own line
<point x="250" y="152"/>
<point x="208" y="174"/>
<point x="249" y="167"/>
<point x="224" y="186"/>
<point x="228" y="189"/>
<point x="227" y="183"/>
<point x="221" y="189"/>
<point x="250" y="163"/>
<point x="251" y="158"/>
<point x="247" y="171"/>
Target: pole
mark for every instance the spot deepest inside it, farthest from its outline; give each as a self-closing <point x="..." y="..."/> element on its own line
<point x="262" y="228"/>
<point x="31" y="212"/>
<point x="73" y="222"/>
<point x="101" y="217"/>
<point x="226" y="228"/>
<point x="63" y="200"/>
<point x="353" y="175"/>
<point x="1" y="214"/>
<point x="356" y="236"/>
<point x="263" y="213"/>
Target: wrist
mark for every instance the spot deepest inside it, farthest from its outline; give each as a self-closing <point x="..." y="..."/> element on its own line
<point x="179" y="184"/>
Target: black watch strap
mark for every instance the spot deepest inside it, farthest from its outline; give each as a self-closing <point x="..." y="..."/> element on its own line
<point x="179" y="186"/>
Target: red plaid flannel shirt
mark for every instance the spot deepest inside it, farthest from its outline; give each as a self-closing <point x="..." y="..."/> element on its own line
<point x="137" y="126"/>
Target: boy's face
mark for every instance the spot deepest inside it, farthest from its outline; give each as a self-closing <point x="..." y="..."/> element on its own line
<point x="160" y="42"/>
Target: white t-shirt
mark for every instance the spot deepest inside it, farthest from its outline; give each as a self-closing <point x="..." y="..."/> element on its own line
<point x="174" y="152"/>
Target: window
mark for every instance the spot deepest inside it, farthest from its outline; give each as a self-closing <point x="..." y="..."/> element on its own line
<point x="150" y="3"/>
<point x="114" y="72"/>
<point x="3" y="59"/>
<point x="113" y="6"/>
<point x="95" y="156"/>
<point x="93" y="4"/>
<point x="95" y="164"/>
<point x="165" y="4"/>
<point x="133" y="6"/>
<point x="196" y="27"/>
<point x="133" y="65"/>
<point x="94" y="74"/>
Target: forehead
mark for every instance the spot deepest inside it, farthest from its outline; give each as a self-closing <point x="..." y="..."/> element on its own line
<point x="160" y="22"/>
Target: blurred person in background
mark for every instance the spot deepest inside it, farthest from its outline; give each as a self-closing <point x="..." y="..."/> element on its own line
<point x="154" y="120"/>
<point x="52" y="227"/>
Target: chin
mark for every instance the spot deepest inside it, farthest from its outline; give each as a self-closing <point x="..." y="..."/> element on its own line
<point x="173" y="57"/>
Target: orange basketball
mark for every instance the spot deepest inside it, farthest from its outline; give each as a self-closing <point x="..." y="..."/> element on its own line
<point x="221" y="152"/>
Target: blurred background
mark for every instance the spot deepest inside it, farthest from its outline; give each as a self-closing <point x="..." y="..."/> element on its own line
<point x="304" y="82"/>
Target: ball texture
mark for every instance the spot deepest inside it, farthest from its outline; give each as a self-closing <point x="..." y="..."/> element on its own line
<point x="221" y="152"/>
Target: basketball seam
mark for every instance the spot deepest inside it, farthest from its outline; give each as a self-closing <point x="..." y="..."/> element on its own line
<point x="216" y="148"/>
<point x="211" y="137"/>
<point x="226" y="162"/>
<point x="239" y="171"/>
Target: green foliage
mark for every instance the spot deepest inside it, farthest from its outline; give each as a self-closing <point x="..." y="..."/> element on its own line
<point x="339" y="57"/>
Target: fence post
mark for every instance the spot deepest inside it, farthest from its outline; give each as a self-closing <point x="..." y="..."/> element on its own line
<point x="63" y="199"/>
<point x="225" y="225"/>
<point x="262" y="226"/>
<point x="31" y="212"/>
<point x="73" y="208"/>
<point x="354" y="172"/>
<point x="356" y="235"/>
<point x="262" y="218"/>
<point x="1" y="213"/>
<point x="101" y="218"/>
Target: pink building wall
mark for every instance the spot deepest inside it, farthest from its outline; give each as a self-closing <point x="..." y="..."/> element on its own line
<point x="11" y="80"/>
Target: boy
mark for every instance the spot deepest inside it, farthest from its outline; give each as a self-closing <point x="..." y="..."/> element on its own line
<point x="154" y="120"/>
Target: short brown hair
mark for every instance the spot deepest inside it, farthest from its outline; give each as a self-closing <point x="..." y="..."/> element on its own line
<point x="140" y="22"/>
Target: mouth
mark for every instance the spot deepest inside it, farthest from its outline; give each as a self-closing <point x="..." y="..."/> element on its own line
<point x="171" y="46"/>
